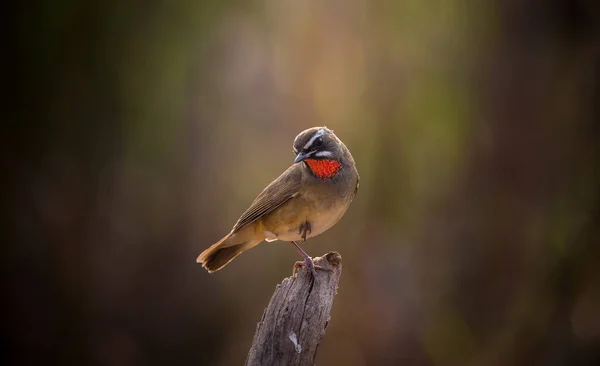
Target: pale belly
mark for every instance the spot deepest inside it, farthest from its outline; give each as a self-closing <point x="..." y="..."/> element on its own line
<point x="284" y="223"/>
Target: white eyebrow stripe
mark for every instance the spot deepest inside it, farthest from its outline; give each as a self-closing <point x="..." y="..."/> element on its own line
<point x="324" y="153"/>
<point x="318" y="134"/>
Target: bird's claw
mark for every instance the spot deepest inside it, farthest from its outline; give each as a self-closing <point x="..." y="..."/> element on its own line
<point x="311" y="265"/>
<point x="304" y="230"/>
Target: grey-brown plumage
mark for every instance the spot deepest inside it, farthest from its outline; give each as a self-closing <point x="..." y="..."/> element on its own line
<point x="307" y="199"/>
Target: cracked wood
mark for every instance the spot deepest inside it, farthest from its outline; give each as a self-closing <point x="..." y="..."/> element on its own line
<point x="294" y="322"/>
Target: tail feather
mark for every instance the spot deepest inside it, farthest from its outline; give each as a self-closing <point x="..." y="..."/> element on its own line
<point x="221" y="253"/>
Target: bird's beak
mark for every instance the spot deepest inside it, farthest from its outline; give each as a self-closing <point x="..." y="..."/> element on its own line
<point x="302" y="156"/>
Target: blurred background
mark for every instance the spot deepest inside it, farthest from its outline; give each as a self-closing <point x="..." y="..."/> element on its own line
<point x="138" y="132"/>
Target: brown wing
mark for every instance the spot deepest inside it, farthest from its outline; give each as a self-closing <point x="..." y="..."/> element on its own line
<point x="285" y="187"/>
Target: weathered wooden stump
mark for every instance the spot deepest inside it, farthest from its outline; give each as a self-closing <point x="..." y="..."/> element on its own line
<point x="294" y="323"/>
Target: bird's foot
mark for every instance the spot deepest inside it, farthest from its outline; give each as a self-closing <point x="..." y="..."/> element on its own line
<point x="304" y="230"/>
<point x="308" y="262"/>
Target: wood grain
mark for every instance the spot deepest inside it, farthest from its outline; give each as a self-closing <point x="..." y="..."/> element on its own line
<point x="294" y="323"/>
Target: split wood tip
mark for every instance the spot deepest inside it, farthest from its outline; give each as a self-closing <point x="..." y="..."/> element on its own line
<point x="334" y="258"/>
<point x="331" y="260"/>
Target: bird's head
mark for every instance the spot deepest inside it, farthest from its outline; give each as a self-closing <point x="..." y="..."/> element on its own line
<point x="321" y="150"/>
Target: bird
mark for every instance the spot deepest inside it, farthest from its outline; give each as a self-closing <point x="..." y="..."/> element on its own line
<point x="307" y="199"/>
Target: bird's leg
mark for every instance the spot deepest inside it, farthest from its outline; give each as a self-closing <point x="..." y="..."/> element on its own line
<point x="303" y="230"/>
<point x="307" y="262"/>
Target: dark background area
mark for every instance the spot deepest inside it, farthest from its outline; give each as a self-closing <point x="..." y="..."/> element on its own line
<point x="137" y="133"/>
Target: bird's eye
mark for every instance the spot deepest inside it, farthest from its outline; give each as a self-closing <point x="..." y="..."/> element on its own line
<point x="318" y="142"/>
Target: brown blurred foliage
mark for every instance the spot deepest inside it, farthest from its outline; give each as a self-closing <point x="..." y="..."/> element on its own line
<point x="138" y="132"/>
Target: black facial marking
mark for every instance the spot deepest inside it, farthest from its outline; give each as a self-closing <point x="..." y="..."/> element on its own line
<point x="318" y="142"/>
<point x="304" y="137"/>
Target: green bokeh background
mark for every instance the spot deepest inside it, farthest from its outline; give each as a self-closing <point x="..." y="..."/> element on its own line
<point x="139" y="131"/>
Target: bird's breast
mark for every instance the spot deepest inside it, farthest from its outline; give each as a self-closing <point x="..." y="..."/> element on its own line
<point x="322" y="211"/>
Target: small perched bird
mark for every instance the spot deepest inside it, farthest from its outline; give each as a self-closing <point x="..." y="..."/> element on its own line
<point x="308" y="198"/>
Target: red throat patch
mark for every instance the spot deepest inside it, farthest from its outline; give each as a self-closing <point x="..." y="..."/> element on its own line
<point x="323" y="168"/>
